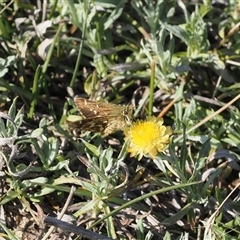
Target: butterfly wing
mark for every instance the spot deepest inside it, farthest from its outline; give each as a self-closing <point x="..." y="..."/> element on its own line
<point x="105" y="118"/>
<point x="91" y="109"/>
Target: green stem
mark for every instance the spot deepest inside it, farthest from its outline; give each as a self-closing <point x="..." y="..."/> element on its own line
<point x="152" y="79"/>
<point x="65" y="107"/>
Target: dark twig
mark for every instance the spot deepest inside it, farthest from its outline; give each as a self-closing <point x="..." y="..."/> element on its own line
<point x="75" y="229"/>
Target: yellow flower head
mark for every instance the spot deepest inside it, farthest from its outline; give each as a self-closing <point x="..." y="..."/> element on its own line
<point x="147" y="137"/>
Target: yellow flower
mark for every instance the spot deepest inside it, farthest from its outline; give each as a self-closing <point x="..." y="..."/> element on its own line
<point x="147" y="137"/>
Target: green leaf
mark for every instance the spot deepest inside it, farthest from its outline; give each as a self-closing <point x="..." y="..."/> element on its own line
<point x="6" y="63"/>
<point x="36" y="133"/>
<point x="9" y="197"/>
<point x="92" y="148"/>
<point x="115" y="14"/>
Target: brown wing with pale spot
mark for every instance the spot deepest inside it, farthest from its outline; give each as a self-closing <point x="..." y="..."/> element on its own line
<point x="89" y="124"/>
<point x="91" y="109"/>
